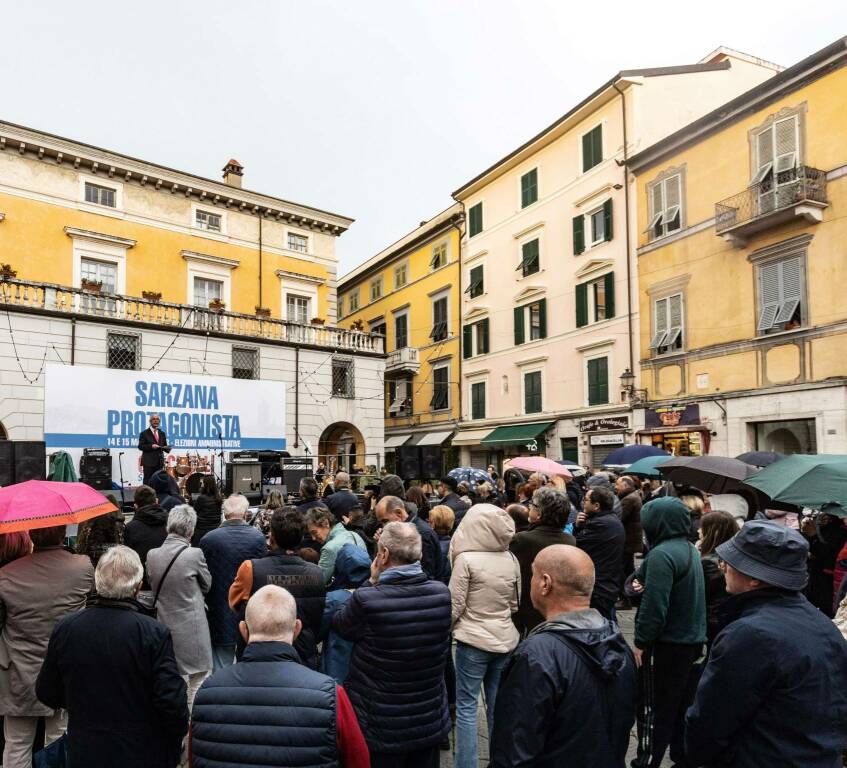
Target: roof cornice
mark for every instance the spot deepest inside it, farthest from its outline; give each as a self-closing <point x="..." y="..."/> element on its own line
<point x="60" y="151"/>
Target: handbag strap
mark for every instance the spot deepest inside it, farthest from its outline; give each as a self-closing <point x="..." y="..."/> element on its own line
<point x="165" y="575"/>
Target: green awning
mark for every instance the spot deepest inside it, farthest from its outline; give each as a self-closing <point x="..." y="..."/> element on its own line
<point x="516" y="433"/>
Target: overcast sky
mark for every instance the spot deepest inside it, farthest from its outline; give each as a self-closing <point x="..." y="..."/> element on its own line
<point x="375" y="110"/>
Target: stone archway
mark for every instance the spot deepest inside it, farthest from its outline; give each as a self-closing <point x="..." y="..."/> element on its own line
<point x="341" y="446"/>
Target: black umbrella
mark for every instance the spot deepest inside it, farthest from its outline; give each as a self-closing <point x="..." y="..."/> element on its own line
<point x="760" y="458"/>
<point x="712" y="474"/>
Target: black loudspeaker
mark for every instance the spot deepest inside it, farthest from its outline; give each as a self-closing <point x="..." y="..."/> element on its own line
<point x="7" y="463"/>
<point x="244" y="478"/>
<point x="96" y="470"/>
<point x="30" y="460"/>
<point x="431" y="461"/>
<point x="408" y="462"/>
<point x="294" y="469"/>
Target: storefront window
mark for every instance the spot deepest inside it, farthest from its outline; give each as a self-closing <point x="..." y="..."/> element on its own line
<point x="789" y="436"/>
<point x="679" y="443"/>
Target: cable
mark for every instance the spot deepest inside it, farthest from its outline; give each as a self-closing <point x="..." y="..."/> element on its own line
<point x="173" y="340"/>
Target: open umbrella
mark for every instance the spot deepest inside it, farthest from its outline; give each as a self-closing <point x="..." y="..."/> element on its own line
<point x="539" y="464"/>
<point x="648" y="466"/>
<point x="45" y="503"/>
<point x="575" y="469"/>
<point x="806" y="481"/>
<point x="711" y="474"/>
<point x="469" y="475"/>
<point x="629" y="454"/>
<point x="760" y="458"/>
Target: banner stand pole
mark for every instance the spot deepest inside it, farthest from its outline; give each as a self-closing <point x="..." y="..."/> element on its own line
<point x="121" y="474"/>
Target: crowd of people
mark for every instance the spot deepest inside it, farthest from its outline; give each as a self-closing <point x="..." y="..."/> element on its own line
<point x="364" y="632"/>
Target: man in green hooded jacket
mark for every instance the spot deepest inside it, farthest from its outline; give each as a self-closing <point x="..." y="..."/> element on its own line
<point x="670" y="629"/>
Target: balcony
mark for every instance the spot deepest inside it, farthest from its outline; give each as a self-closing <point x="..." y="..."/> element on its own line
<point x="797" y="193"/>
<point x="403" y="360"/>
<point x="161" y="315"/>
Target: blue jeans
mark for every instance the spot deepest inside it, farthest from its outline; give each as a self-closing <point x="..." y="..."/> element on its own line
<point x="222" y="656"/>
<point x="474" y="668"/>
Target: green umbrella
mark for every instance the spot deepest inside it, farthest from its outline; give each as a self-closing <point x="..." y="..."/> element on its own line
<point x="806" y="481"/>
<point x="647" y="467"/>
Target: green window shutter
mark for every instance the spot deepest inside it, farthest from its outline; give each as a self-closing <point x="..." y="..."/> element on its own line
<point x="476" y="287"/>
<point x="578" y="235"/>
<point x="532" y="392"/>
<point x="598" y="381"/>
<point x="586" y="152"/>
<point x="467" y="341"/>
<point x="609" y="287"/>
<point x="529" y="188"/>
<point x="475" y="220"/>
<point x="597" y="144"/>
<point x="483" y="337"/>
<point x="581" y="304"/>
<point x="542" y="318"/>
<point x="519" y="333"/>
<point x="607" y="219"/>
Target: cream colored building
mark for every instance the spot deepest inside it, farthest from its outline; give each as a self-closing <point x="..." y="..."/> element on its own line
<point x="549" y="286"/>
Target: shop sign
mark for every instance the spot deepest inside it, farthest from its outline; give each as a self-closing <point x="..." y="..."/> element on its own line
<point x="672" y="416"/>
<point x="598" y="425"/>
<point x="610" y="439"/>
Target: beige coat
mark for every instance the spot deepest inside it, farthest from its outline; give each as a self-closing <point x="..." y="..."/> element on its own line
<point x="485" y="581"/>
<point x="35" y="592"/>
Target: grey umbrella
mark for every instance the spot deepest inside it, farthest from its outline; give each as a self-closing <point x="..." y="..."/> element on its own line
<point x="711" y="474"/>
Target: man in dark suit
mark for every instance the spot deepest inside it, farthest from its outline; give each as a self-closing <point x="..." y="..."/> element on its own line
<point x="153" y="444"/>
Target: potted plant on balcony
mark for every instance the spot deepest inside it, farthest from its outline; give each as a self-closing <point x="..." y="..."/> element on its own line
<point x="92" y="286"/>
<point x="357" y="325"/>
<point x="151" y="295"/>
<point x="216" y="305"/>
<point x="6" y="272"/>
<point x="318" y="321"/>
<point x="263" y="311"/>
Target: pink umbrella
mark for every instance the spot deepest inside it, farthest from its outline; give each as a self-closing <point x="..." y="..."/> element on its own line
<point x="44" y="503"/>
<point x="539" y="464"/>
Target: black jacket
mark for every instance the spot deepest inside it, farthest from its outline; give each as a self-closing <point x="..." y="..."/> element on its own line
<point x="150" y="456"/>
<point x="341" y="502"/>
<point x="631" y="519"/>
<point x="114" y="670"/>
<point x="146" y="530"/>
<point x="602" y="538"/>
<point x="267" y="710"/>
<point x="566" y="697"/>
<point x="430" y="547"/>
<point x="401" y="629"/>
<point x="774" y="691"/>
<point x="458" y="506"/>
<point x="208" y="510"/>
<point x="716" y="595"/>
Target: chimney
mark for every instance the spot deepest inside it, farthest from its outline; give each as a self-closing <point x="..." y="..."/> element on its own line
<point x="233" y="171"/>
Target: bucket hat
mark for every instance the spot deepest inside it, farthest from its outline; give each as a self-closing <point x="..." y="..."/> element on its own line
<point x="769" y="552"/>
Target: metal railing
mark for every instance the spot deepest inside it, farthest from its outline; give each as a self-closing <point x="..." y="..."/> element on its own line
<point x="114" y="307"/>
<point x="777" y="192"/>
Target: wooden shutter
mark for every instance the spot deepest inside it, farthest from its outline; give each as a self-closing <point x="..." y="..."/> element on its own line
<point x="785" y="144"/>
<point x="475" y="223"/>
<point x="542" y="318"/>
<point x="602" y="380"/>
<point x="578" y="235"/>
<point x="532" y="392"/>
<point x="519" y="325"/>
<point x="581" y="304"/>
<point x="607" y="220"/>
<point x="476" y="281"/>
<point x="790" y="289"/>
<point x="769" y="295"/>
<point x="467" y="341"/>
<point x="482" y="338"/>
<point x="609" y="289"/>
<point x="586" y="152"/>
<point x="592" y="382"/>
<point x="597" y="144"/>
<point x="660" y="313"/>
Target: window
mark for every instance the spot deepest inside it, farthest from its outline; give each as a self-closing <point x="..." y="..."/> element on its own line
<point x="399" y="397"/>
<point x="475" y="339"/>
<point x="478" y="400"/>
<point x="776" y="157"/>
<point x="401" y="275"/>
<point x="98" y="195"/>
<point x="780" y="295"/>
<point x="376" y="289"/>
<point x="665" y="206"/>
<point x="529" y="188"/>
<point x="299" y="243"/>
<point x="353" y="300"/>
<point x="531" y="318"/>
<point x="532" y="392"/>
<point x="440" y="329"/>
<point x="102" y="272"/>
<point x="401" y="331"/>
<point x="206" y="291"/>
<point x="599" y="224"/>
<point x="570" y="449"/>
<point x="123" y="350"/>
<point x="592" y="148"/>
<point x="475" y="282"/>
<point x="245" y="363"/>
<point x="595" y="300"/>
<point x="297" y="309"/>
<point x="440" y="388"/>
<point x="379" y="329"/>
<point x="787" y="436"/>
<point x="530" y="261"/>
<point x="342" y="377"/>
<point x="439" y="256"/>
<point x="475" y="220"/>
<point x="206" y="220"/>
<point x="667" y="324"/>
<point x="597" y="372"/>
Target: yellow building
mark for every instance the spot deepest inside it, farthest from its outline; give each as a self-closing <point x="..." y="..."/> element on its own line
<point x="409" y="293"/>
<point x="741" y="260"/>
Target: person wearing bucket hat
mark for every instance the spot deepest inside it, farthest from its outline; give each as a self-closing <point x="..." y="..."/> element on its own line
<point x="774" y="691"/>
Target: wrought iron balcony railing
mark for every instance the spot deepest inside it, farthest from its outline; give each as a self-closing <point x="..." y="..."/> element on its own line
<point x="797" y="192"/>
<point x="130" y="309"/>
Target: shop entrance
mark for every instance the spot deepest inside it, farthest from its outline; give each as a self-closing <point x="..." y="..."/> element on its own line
<point x="679" y="443"/>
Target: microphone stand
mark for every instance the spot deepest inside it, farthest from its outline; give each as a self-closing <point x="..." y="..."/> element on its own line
<point x="121" y="472"/>
<point x="221" y="457"/>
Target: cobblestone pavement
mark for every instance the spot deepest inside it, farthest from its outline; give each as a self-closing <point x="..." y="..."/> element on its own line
<point x="625" y="619"/>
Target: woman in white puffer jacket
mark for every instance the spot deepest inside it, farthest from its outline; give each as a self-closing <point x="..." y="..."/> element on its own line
<point x="485" y="588"/>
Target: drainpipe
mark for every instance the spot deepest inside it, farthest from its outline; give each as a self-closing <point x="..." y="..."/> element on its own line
<point x="73" y="340"/>
<point x="260" y="262"/>
<point x="458" y="228"/>
<point x="626" y="215"/>
<point x="296" y="395"/>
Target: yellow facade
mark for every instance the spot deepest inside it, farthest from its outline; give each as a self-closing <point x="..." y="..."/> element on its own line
<point x="738" y="267"/>
<point x="412" y="257"/>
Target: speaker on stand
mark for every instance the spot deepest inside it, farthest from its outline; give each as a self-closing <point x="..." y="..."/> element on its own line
<point x="95" y="468"/>
<point x="431" y="465"/>
<point x="408" y="462"/>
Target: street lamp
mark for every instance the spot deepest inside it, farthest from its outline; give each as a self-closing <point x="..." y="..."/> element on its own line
<point x="635" y="396"/>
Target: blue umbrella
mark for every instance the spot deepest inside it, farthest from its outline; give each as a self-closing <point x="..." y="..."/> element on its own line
<point x="469" y="475"/>
<point x="629" y="454"/>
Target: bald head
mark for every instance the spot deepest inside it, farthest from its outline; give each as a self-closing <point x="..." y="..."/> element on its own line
<point x="562" y="580"/>
<point x="271" y="616"/>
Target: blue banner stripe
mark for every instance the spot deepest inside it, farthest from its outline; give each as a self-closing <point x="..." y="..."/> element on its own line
<point x="69" y="440"/>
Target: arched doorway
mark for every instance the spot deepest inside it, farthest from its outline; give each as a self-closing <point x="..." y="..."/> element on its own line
<point x="3" y="434"/>
<point x="342" y="446"/>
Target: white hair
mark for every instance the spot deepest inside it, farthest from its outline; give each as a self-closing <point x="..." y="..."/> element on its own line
<point x="235" y="505"/>
<point x="119" y="573"/>
<point x="271" y="615"/>
<point x="402" y="541"/>
<point x="181" y="520"/>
